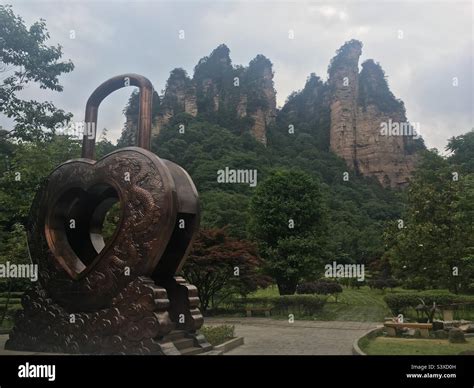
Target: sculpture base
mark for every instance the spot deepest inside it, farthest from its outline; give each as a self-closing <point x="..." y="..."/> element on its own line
<point x="140" y="320"/>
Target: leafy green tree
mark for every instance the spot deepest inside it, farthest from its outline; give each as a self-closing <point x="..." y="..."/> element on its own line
<point x="462" y="148"/>
<point x="374" y="90"/>
<point x="437" y="231"/>
<point x="104" y="146"/>
<point x="288" y="221"/>
<point x="29" y="165"/>
<point x="26" y="58"/>
<point x="223" y="209"/>
<point x="14" y="250"/>
<point x="129" y="132"/>
<point x="466" y="274"/>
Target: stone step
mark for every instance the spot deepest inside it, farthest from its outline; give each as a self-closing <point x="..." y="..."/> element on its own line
<point x="175" y="335"/>
<point x="169" y="348"/>
<point x="191" y="351"/>
<point x="183" y="343"/>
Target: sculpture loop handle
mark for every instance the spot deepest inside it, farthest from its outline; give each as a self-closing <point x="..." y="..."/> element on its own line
<point x="105" y="89"/>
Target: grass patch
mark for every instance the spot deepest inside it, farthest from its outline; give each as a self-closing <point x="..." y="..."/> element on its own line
<point x="7" y="324"/>
<point x="217" y="335"/>
<point x="402" y="346"/>
<point x="13" y="306"/>
<point x="269" y="292"/>
<point x="362" y="305"/>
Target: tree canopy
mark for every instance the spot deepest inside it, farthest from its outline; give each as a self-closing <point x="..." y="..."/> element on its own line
<point x="25" y="58"/>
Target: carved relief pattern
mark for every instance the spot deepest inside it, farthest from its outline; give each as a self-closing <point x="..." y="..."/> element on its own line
<point x="107" y="309"/>
<point x="134" y="324"/>
<point x="96" y="295"/>
<point x="145" y="202"/>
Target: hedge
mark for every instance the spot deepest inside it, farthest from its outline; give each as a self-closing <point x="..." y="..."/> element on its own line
<point x="217" y="335"/>
<point x="319" y="287"/>
<point x="398" y="303"/>
<point x="381" y="284"/>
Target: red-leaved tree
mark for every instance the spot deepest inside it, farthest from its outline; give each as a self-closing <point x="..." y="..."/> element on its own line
<point x="221" y="266"/>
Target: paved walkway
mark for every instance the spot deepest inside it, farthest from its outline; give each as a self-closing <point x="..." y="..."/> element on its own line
<point x="266" y="336"/>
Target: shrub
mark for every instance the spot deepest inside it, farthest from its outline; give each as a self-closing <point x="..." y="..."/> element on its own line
<point x="322" y="287"/>
<point x="307" y="288"/>
<point x="352" y="283"/>
<point x="217" y="335"/>
<point x="456" y="336"/>
<point x="441" y="297"/>
<point x="392" y="283"/>
<point x="416" y="283"/>
<point x="398" y="303"/>
<point x="382" y="284"/>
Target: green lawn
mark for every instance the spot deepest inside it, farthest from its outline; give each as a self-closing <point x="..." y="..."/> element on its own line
<point x="402" y="346"/>
<point x="362" y="305"/>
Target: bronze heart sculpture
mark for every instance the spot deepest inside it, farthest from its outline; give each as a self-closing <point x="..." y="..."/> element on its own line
<point x="121" y="295"/>
<point x="76" y="267"/>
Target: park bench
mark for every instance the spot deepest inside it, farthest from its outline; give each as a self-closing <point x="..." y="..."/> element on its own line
<point x="250" y="309"/>
<point x="423" y="327"/>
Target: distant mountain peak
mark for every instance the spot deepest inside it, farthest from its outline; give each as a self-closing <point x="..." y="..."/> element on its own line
<point x="346" y="112"/>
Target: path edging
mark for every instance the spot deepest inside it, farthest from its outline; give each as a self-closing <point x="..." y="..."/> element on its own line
<point x="230" y="345"/>
<point x="356" y="350"/>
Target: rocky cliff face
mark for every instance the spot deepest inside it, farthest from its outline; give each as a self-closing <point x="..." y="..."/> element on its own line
<point x="346" y="114"/>
<point x="364" y="116"/>
<point x="180" y="96"/>
<point x="259" y="97"/>
<point x="343" y="87"/>
<point x="382" y="156"/>
<point x="218" y="88"/>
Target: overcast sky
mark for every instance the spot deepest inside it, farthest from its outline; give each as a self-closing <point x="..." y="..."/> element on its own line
<point x="115" y="37"/>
